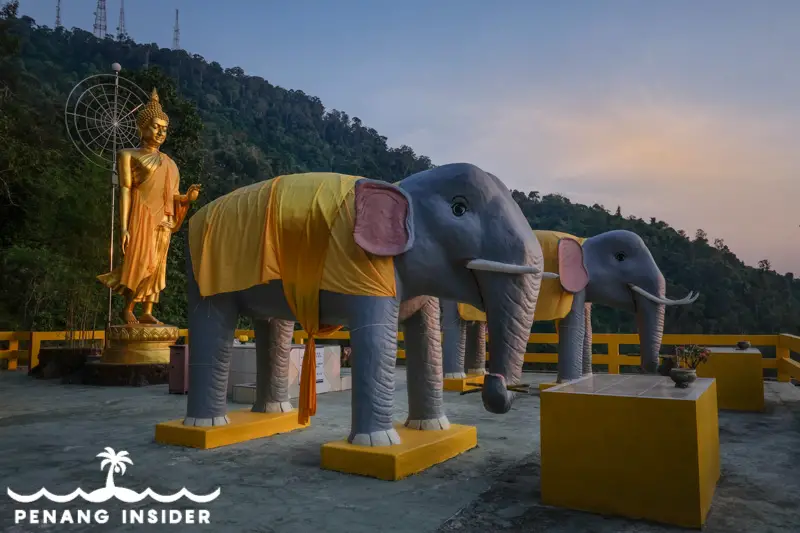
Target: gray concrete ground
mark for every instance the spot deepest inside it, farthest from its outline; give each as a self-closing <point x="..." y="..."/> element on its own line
<point x="50" y="434"/>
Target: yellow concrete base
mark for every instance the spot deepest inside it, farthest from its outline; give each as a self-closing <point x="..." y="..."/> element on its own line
<point x="474" y="381"/>
<point x="635" y="446"/>
<point x="545" y="386"/>
<point x="739" y="375"/>
<point x="134" y="344"/>
<point x="418" y="451"/>
<point x="244" y="425"/>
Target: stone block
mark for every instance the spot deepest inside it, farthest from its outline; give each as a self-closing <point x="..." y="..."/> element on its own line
<point x="631" y="445"/>
<point x="739" y="375"/>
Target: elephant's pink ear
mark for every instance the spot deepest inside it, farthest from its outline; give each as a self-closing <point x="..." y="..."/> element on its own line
<point x="571" y="271"/>
<point x="383" y="224"/>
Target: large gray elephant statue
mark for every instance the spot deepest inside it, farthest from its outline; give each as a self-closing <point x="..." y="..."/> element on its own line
<point x="452" y="232"/>
<point x="620" y="273"/>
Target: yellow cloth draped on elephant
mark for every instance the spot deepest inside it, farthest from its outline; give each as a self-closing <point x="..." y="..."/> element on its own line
<point x="554" y="302"/>
<point x="296" y="228"/>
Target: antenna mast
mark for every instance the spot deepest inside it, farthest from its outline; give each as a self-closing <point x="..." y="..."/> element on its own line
<point x="122" y="34"/>
<point x="176" y="34"/>
<point x="100" y="20"/>
<point x="58" y="14"/>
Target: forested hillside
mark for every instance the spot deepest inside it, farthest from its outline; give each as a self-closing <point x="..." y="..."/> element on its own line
<point x="229" y="129"/>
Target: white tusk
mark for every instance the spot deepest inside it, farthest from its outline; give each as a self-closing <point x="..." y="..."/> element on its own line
<point x="494" y="266"/>
<point x="550" y="275"/>
<point x="690" y="298"/>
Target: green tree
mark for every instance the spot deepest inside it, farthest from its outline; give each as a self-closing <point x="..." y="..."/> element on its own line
<point x="229" y="129"/>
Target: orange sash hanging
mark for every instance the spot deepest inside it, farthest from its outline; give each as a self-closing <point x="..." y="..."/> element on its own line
<point x="307" y="405"/>
<point x="301" y="272"/>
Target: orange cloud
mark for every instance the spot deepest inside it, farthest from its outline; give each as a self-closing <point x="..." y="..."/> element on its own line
<point x="731" y="171"/>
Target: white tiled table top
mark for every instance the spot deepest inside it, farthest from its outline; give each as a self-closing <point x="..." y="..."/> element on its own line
<point x="634" y="385"/>
<point x="732" y="350"/>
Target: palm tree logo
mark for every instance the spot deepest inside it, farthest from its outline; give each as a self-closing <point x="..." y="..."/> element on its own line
<point x="116" y="464"/>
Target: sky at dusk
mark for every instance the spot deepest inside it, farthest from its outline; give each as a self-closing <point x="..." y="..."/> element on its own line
<point x="681" y="110"/>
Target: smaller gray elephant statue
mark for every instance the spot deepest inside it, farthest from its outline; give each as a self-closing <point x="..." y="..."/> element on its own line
<point x="619" y="271"/>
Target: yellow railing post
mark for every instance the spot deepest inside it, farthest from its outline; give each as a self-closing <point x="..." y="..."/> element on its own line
<point x="613" y="357"/>
<point x="13" y="360"/>
<point x="33" y="356"/>
<point x="782" y="352"/>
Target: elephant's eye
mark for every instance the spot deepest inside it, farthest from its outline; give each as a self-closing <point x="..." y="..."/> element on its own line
<point x="459" y="208"/>
<point x="619" y="256"/>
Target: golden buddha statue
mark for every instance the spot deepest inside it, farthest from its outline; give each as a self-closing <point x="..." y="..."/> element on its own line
<point x="151" y="210"/>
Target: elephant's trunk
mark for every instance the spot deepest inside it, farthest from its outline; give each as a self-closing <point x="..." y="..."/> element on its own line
<point x="510" y="301"/>
<point x="650" y="322"/>
<point x="496" y="397"/>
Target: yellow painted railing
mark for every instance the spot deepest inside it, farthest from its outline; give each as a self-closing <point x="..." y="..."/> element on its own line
<point x="784" y="344"/>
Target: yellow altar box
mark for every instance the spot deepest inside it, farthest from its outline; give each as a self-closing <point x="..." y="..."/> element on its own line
<point x="739" y="375"/>
<point x="631" y="445"/>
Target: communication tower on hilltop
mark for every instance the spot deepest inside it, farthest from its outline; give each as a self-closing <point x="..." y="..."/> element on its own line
<point x="122" y="33"/>
<point x="58" y="14"/>
<point x="176" y="34"/>
<point x="100" y="20"/>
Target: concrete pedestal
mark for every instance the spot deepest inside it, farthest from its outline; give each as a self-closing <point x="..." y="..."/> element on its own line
<point x="243" y="426"/>
<point x="330" y="376"/>
<point x="472" y="381"/>
<point x="418" y="451"/>
<point x="631" y="445"/>
<point x="243" y="366"/>
<point x="739" y="375"/>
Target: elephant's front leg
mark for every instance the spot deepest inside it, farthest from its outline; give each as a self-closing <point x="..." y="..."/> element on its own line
<point x="373" y="339"/>
<point x="587" y="339"/>
<point x="424" y="360"/>
<point x="455" y="335"/>
<point x="476" y="348"/>
<point x="212" y="322"/>
<point x="571" y="333"/>
<point x="273" y="344"/>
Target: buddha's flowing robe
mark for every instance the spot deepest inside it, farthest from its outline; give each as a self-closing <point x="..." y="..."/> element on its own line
<point x="155" y="214"/>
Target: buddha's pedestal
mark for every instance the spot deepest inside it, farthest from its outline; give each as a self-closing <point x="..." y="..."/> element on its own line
<point x="137" y="344"/>
<point x="137" y="354"/>
<point x="631" y="445"/>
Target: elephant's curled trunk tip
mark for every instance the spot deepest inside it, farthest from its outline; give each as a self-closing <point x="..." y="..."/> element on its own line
<point x="497" y="398"/>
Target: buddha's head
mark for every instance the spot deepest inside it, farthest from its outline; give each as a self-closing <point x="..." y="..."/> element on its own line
<point x="152" y="122"/>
